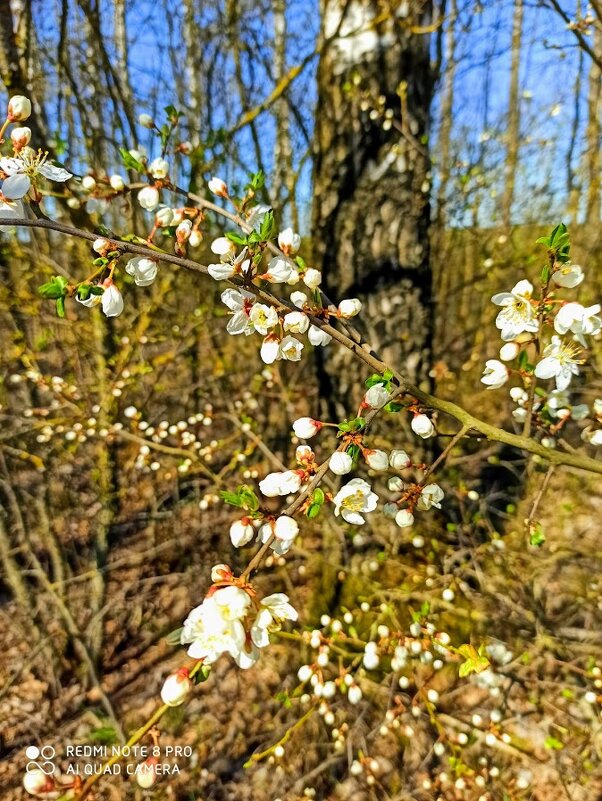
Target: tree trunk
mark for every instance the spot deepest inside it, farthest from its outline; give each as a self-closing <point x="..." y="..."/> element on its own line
<point x="371" y="177"/>
<point x="592" y="158"/>
<point x="513" y="116"/>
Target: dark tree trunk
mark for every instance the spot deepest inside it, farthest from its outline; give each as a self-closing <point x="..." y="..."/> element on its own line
<point x="371" y="175"/>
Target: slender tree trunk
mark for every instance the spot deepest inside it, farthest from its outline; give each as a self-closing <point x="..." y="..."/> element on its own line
<point x="513" y="115"/>
<point x="371" y="184"/>
<point x="283" y="168"/>
<point x="593" y="163"/>
<point x="447" y="107"/>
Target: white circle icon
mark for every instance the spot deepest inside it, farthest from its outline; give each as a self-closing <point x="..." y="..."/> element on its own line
<point x="32" y="752"/>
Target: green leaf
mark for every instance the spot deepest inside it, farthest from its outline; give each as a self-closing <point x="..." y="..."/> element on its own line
<point x="553" y="744"/>
<point x="173" y="114"/>
<point x="394" y="407"/>
<point x="266" y="229"/>
<point x="256" y="181"/>
<point x="60" y="307"/>
<point x="537" y="537"/>
<point x="318" y="496"/>
<point x="476" y="661"/>
<point x="54" y="289"/>
<point x="313" y="510"/>
<point x="129" y="162"/>
<point x="244" y="498"/>
<point x="202" y="675"/>
<point x="104" y="734"/>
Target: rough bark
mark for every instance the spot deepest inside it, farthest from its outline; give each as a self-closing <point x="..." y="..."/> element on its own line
<point x="371" y="174"/>
<point x="513" y="115"/>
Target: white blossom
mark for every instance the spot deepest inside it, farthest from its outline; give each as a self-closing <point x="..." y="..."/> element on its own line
<point x="223" y="248"/>
<point x="215" y="627"/>
<point x="88" y="183"/>
<point x="559" y="362"/>
<point x="143" y="270"/>
<point x="431" y="495"/>
<point x="241" y="532"/>
<point x="495" y="374"/>
<point x="568" y="276"/>
<point x="273" y="609"/>
<point x="270" y="349"/>
<point x="11" y="209"/>
<point x="164" y="217"/>
<point x="579" y="320"/>
<point x="221" y="271"/>
<point x="306" y="427"/>
<point x="289" y="242"/>
<point x="278" y="272"/>
<point x="354" y="498"/>
<point x="318" y="337"/>
<point x="146" y="121"/>
<point x="22" y="171"/>
<point x="354" y="694"/>
<point x="290" y="349"/>
<point x="312" y="278"/>
<point x="158" y="168"/>
<point x="423" y="426"/>
<point x="518" y="314"/>
<point x="299" y="299"/>
<point x="296" y="321"/>
<point x="240" y="303"/>
<point x="263" y="317"/>
<point x="112" y="300"/>
<point x="280" y="483"/>
<point x="340" y="463"/>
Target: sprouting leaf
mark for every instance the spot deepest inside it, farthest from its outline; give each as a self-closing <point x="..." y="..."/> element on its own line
<point x="54" y="289"/>
<point x="475" y="661"/>
<point x="129" y="162"/>
<point x="173" y="638"/>
<point x="553" y="744"/>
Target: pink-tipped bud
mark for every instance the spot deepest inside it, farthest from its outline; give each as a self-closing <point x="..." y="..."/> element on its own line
<point x="176" y="687"/>
<point x="36" y="782"/>
<point x="146" y="773"/>
<point x="19" y="108"/>
<point x="183" y="231"/>
<point x="306" y="427"/>
<point x="220" y="573"/>
<point x="20" y="137"/>
<point x="218" y="187"/>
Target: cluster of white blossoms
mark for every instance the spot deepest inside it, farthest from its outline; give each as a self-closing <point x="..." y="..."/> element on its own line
<point x="21" y="173"/>
<point x="552" y="333"/>
<point x="231" y="620"/>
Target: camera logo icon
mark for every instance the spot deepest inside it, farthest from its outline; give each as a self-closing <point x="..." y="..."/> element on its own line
<point x="40" y="759"/>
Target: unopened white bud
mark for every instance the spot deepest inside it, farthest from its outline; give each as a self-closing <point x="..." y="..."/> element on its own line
<point x="117" y="183"/>
<point x="146" y="121"/>
<point x="88" y="183"/>
<point x="350" y="307"/>
<point x="218" y="187"/>
<point x="176" y="687"/>
<point x="19" y="108"/>
<point x="20" y="137"/>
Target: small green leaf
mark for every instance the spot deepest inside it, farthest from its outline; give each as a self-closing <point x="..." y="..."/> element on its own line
<point x="173" y="638"/>
<point x="475" y="661"/>
<point x="553" y="744"/>
<point x="129" y="162"/>
<point x="60" y="307"/>
<point x="54" y="289"/>
<point x="537" y="537"/>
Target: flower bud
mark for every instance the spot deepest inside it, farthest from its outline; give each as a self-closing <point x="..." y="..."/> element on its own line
<point x="354" y="694"/>
<point x="146" y="121"/>
<point x="183" y="231"/>
<point x="377" y="396"/>
<point x="312" y="278"/>
<point x="399" y="460"/>
<point x="221" y="573"/>
<point x="509" y="351"/>
<point x="185" y="147"/>
<point x="404" y="518"/>
<point x="100" y="245"/>
<point x="306" y="427"/>
<point x="340" y="463"/>
<point x="395" y="484"/>
<point x="19" y="108"/>
<point x="112" y="301"/>
<point x="146" y="774"/>
<point x="286" y="528"/>
<point x="422" y="426"/>
<point x="176" y="687"/>
<point x="117" y="183"/>
<point x="143" y="270"/>
<point x="20" y="137"/>
<point x="148" y="198"/>
<point x="299" y="299"/>
<point x="164" y="217"/>
<point x="89" y="183"/>
<point x="289" y="242"/>
<point x="376" y="459"/>
<point x="218" y="187"/>
<point x="350" y="307"/>
<point x="241" y="532"/>
<point x="195" y="238"/>
<point x="36" y="782"/>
